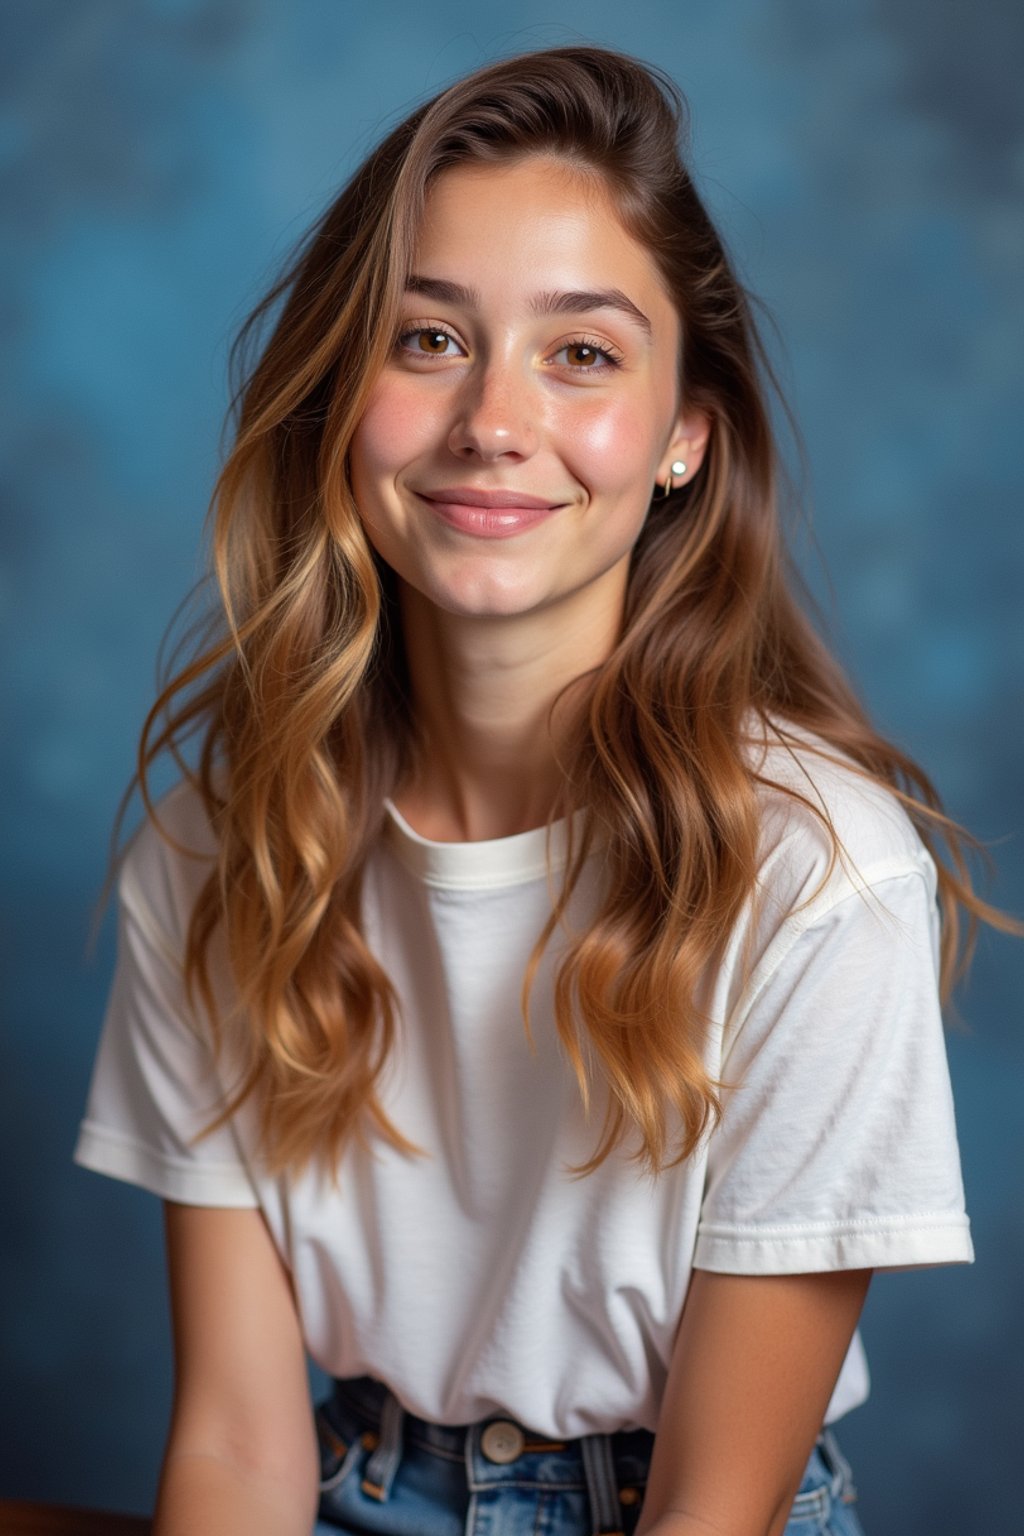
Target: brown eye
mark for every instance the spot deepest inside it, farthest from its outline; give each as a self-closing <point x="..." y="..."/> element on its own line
<point x="583" y="356"/>
<point x="428" y="341"/>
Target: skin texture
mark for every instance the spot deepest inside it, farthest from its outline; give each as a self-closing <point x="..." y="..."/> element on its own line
<point x="496" y="627"/>
<point x="241" y="1454"/>
<point x="753" y="1367"/>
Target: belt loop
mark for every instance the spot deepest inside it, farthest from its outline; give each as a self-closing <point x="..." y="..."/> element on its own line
<point x="380" y="1470"/>
<point x="842" y="1472"/>
<point x="602" y="1485"/>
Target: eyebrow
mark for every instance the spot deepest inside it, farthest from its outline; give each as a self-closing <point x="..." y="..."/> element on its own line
<point x="574" y="301"/>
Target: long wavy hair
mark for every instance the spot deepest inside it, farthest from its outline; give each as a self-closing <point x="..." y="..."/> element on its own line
<point x="301" y="699"/>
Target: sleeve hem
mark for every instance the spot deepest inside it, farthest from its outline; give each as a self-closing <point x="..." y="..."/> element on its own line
<point x="941" y="1240"/>
<point x="120" y="1158"/>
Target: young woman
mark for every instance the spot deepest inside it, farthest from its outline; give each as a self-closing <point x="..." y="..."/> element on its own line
<point x="512" y="718"/>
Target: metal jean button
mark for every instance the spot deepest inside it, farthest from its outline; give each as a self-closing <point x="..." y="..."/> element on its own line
<point x="502" y="1441"/>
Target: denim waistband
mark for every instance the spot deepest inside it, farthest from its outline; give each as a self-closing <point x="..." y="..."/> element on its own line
<point x="500" y="1449"/>
<point x="842" y="1473"/>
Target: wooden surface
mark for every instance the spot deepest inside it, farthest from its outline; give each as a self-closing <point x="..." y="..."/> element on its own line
<point x="25" y="1519"/>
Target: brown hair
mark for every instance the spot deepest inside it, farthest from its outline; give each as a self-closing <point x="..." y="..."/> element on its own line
<point x="302" y="699"/>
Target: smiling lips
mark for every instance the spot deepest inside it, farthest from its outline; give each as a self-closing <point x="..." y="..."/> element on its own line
<point x="488" y="514"/>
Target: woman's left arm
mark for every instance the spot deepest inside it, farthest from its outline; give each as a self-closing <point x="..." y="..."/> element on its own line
<point x="753" y="1366"/>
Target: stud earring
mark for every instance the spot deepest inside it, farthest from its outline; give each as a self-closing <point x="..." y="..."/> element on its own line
<point x="677" y="468"/>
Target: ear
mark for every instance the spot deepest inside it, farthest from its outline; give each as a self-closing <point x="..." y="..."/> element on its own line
<point x="691" y="434"/>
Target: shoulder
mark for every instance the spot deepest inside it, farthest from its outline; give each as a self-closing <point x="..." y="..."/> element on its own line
<point x="827" y="829"/>
<point x="168" y="860"/>
<point x="843" y="909"/>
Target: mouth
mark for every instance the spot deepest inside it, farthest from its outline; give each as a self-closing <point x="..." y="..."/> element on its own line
<point x="488" y="513"/>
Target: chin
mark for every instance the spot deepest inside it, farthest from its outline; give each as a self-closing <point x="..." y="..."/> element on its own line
<point x="476" y="594"/>
<point x="482" y="605"/>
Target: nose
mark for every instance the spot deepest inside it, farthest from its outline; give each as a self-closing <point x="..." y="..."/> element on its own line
<point x="495" y="415"/>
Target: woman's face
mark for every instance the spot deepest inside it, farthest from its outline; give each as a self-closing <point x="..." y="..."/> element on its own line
<point x="508" y="452"/>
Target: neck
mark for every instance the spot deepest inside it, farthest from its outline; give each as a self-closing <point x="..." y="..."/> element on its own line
<point x="494" y="710"/>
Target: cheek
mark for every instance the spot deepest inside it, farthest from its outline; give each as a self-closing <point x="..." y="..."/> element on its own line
<point x="393" y="428"/>
<point x="614" y="446"/>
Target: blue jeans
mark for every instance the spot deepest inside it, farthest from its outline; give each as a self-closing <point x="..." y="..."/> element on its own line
<point x="387" y="1473"/>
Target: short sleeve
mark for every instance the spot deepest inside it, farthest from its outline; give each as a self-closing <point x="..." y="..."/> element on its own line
<point x="837" y="1147"/>
<point x="154" y="1083"/>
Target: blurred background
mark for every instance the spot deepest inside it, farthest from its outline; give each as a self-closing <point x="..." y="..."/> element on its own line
<point x="865" y="161"/>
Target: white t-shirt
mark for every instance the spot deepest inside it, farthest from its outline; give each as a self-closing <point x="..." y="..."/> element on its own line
<point x="483" y="1278"/>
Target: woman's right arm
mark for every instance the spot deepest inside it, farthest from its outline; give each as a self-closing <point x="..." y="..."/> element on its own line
<point x="241" y="1452"/>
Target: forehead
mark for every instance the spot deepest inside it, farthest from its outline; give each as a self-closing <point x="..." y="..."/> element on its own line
<point x="537" y="220"/>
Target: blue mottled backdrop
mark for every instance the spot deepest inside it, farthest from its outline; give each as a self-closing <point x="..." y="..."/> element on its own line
<point x="158" y="159"/>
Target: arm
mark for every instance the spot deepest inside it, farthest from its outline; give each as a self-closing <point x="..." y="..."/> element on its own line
<point x="753" y="1367"/>
<point x="241" y="1454"/>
